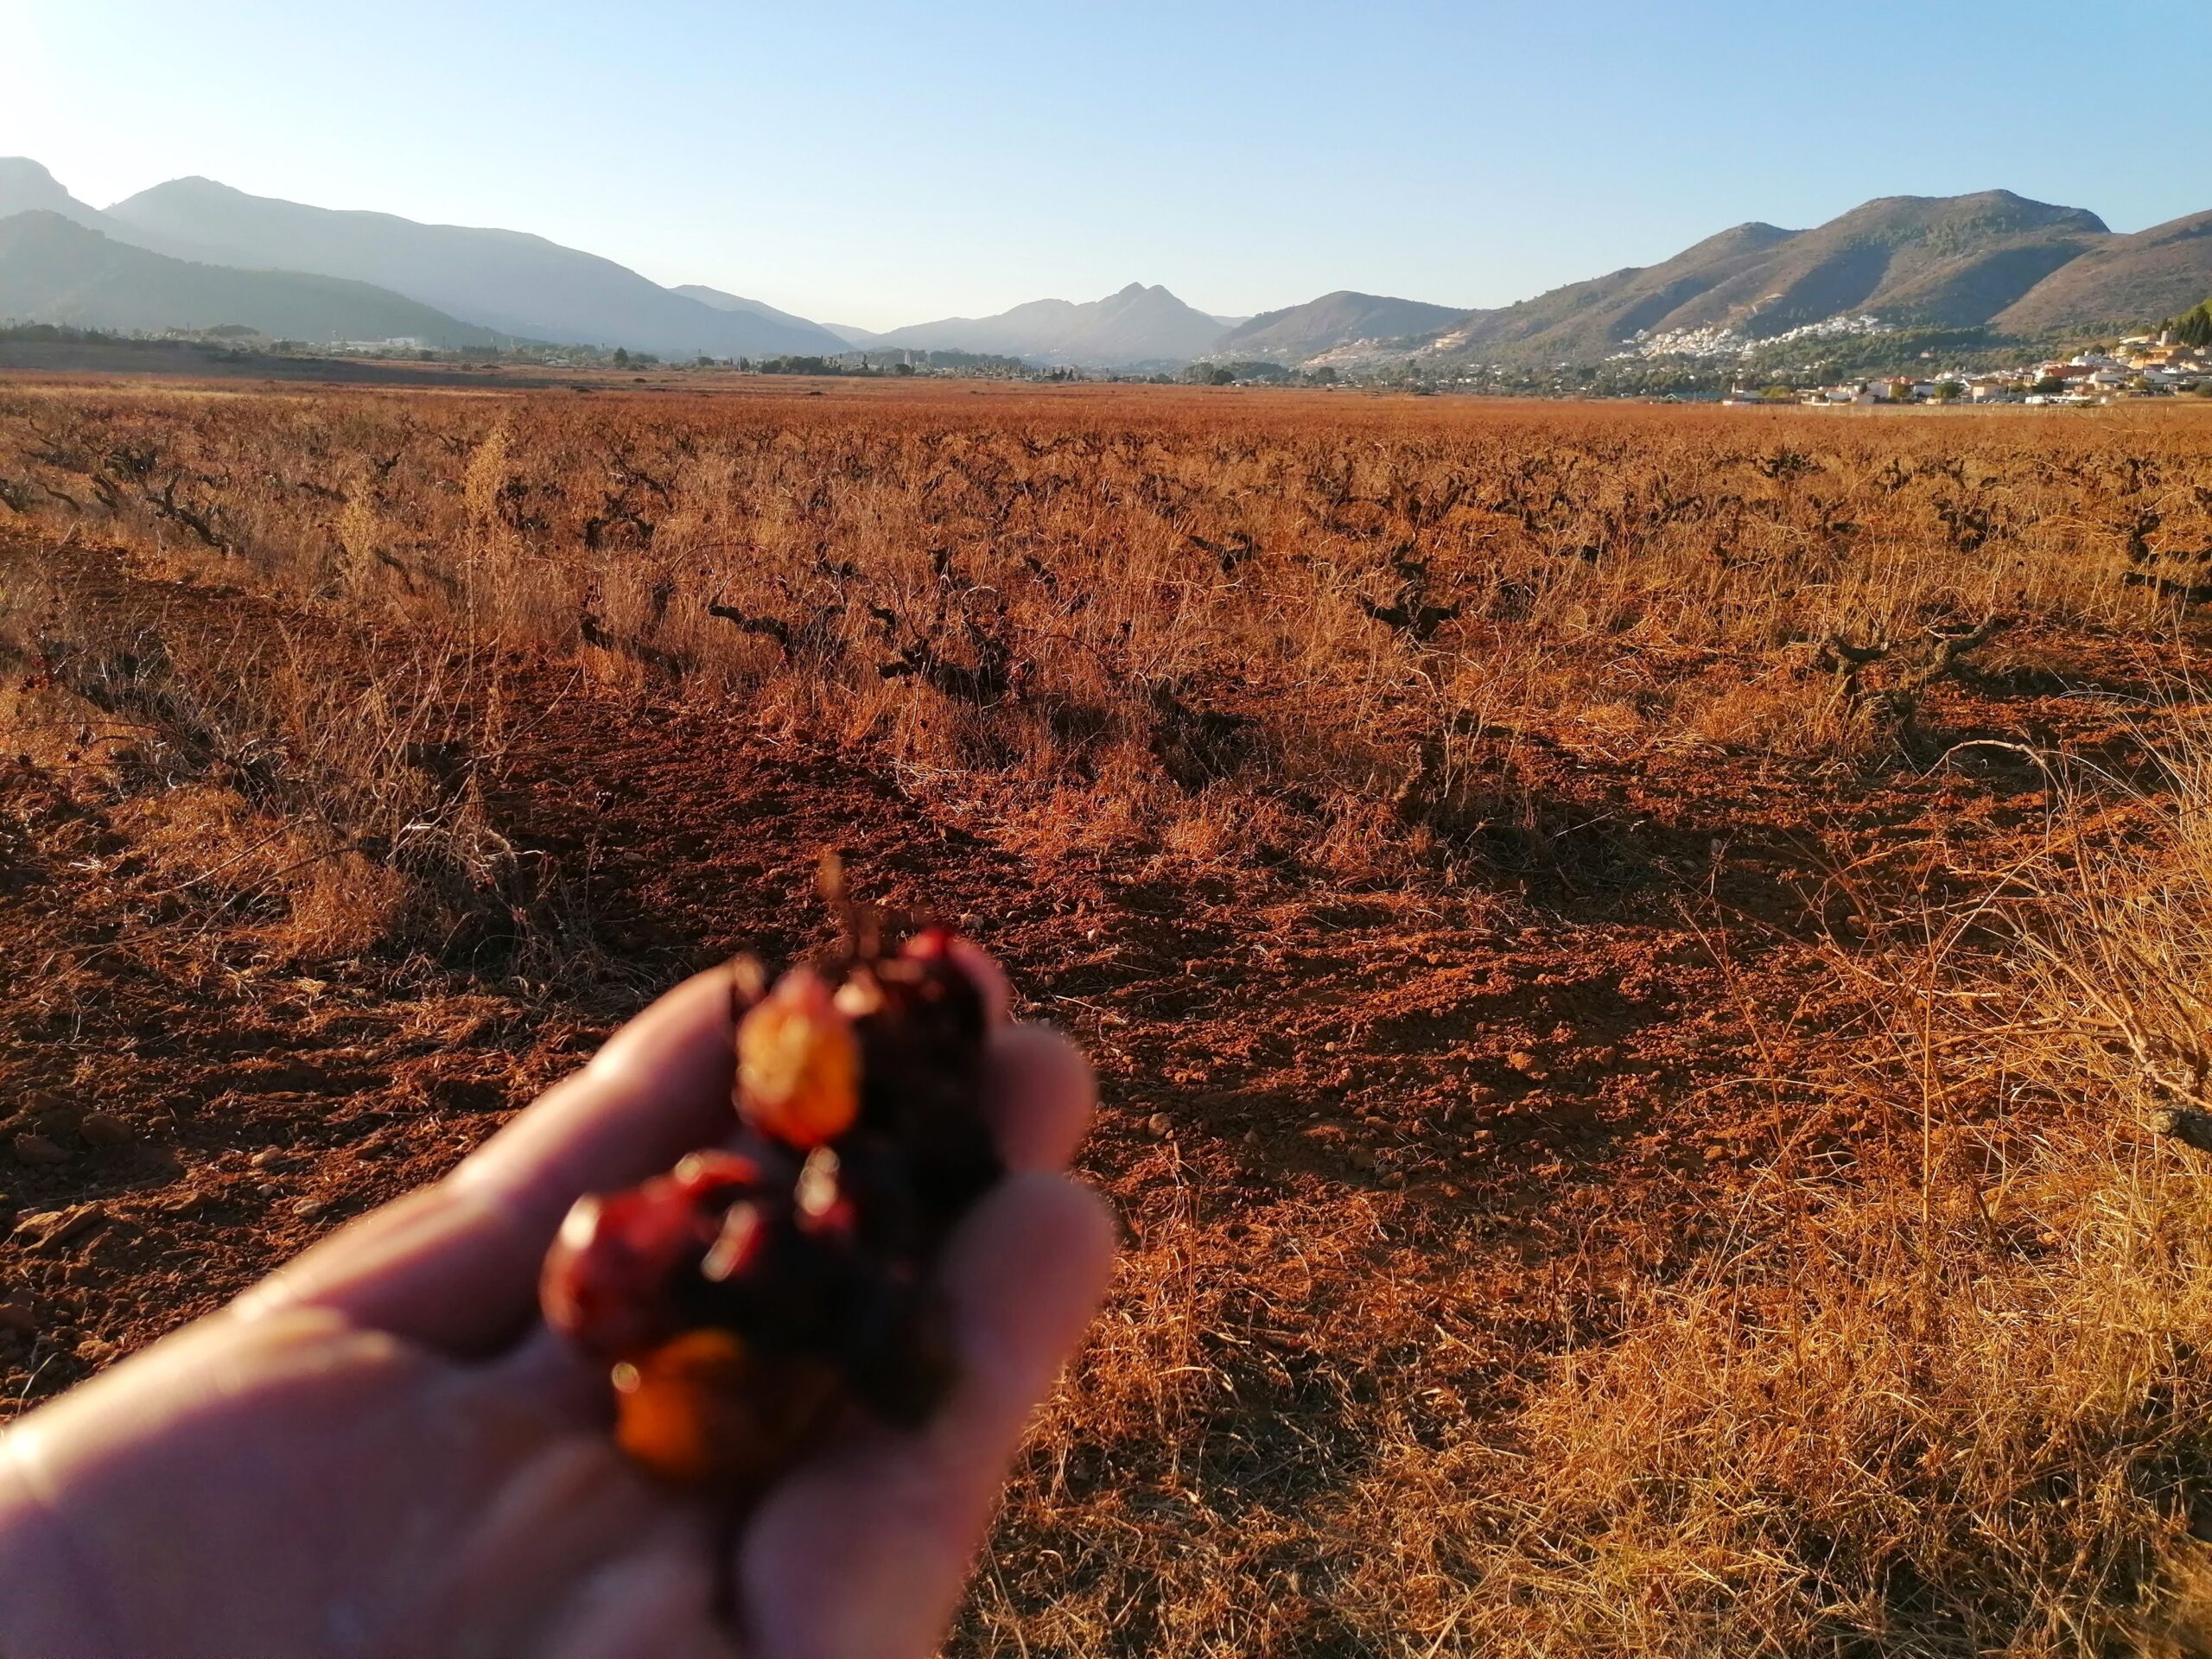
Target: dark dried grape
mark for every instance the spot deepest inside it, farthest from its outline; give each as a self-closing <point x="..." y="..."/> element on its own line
<point x="609" y="1280"/>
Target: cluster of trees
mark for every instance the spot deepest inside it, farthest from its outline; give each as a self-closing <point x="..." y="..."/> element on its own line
<point x="1252" y="371"/>
<point x="55" y="333"/>
<point x="866" y="366"/>
<point x="2194" y="327"/>
<point x="228" y="340"/>
<point x="1226" y="374"/>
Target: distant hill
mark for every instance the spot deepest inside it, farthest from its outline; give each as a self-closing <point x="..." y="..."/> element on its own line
<point x="1589" y="319"/>
<point x="1938" y="261"/>
<point x="54" y="270"/>
<point x="1991" y="266"/>
<point x="1138" y="325"/>
<point x="1907" y="261"/>
<point x="2147" y="276"/>
<point x="505" y="279"/>
<point x="25" y="187"/>
<point x="721" y="302"/>
<point x="1299" y="332"/>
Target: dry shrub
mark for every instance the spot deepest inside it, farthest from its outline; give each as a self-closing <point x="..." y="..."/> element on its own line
<point x="294" y="895"/>
<point x="1950" y="1395"/>
<point x="318" y="809"/>
<point x="1785" y="711"/>
<point x="1182" y="1494"/>
<point x="341" y="907"/>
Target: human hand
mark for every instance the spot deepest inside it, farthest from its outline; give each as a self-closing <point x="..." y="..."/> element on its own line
<point x="381" y="1450"/>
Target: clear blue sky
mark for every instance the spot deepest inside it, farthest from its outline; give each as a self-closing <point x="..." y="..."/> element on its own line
<point x="877" y="164"/>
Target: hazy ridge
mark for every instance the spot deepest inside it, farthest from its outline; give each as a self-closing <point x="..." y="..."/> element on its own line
<point x="192" y="252"/>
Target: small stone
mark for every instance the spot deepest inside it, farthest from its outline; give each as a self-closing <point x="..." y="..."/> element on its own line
<point x="1523" y="1061"/>
<point x="269" y="1158"/>
<point x="104" y="1129"/>
<point x="1160" y="1124"/>
<point x="1363" y="1158"/>
<point x="97" y="1350"/>
<point x="1251" y="1137"/>
<point x="308" y="1208"/>
<point x="14" y="1316"/>
<point x="37" y="1149"/>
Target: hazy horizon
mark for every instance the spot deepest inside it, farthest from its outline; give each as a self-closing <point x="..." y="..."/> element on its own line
<point x="863" y="166"/>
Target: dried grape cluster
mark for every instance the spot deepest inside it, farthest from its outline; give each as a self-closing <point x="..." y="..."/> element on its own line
<point x="749" y="1295"/>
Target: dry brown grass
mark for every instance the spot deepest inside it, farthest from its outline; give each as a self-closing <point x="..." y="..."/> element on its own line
<point x="1959" y="1403"/>
<point x="1063" y="590"/>
<point x="1946" y="1394"/>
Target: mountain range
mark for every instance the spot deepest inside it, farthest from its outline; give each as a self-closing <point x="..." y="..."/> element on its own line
<point x="486" y="283"/>
<point x="1299" y="332"/>
<point x="1990" y="260"/>
<point x="56" y="269"/>
<point x="192" y="253"/>
<point x="1137" y="324"/>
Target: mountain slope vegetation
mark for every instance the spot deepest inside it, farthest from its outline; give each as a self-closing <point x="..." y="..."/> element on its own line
<point x="1136" y="325"/>
<point x="719" y="300"/>
<point x="505" y="279"/>
<point x="2152" y="274"/>
<point x="53" y="269"/>
<point x="1907" y="261"/>
<point x="1300" y="331"/>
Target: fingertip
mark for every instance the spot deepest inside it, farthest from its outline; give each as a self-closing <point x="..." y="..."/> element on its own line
<point x="691" y="1025"/>
<point x="657" y="1088"/>
<point x="1038" y="1092"/>
<point x="989" y="979"/>
<point x="864" y="1549"/>
<point x="1025" y="1273"/>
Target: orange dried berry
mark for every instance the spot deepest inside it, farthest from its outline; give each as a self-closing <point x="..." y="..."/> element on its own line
<point x="798" y="1064"/>
<point x="701" y="1409"/>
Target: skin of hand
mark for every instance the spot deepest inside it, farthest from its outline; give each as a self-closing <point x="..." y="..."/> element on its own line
<point x="380" y="1450"/>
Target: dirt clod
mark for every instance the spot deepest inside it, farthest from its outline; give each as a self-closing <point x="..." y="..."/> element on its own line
<point x="36" y="1149"/>
<point x="104" y="1129"/>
